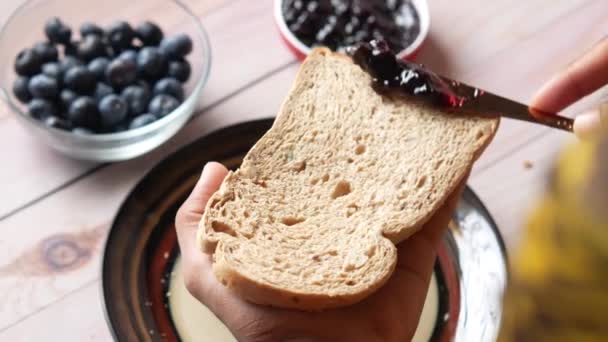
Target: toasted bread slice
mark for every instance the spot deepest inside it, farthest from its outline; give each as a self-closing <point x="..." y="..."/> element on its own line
<point x="311" y="219"/>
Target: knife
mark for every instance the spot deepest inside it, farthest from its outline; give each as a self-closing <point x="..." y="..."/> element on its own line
<point x="465" y="99"/>
<point x="394" y="76"/>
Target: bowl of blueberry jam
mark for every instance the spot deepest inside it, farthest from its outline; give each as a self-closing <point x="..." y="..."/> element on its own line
<point x="337" y="24"/>
<point x="103" y="81"/>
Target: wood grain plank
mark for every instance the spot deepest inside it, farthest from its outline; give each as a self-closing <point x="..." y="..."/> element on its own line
<point x="466" y="33"/>
<point x="521" y="69"/>
<point x="35" y="169"/>
<point x="510" y="189"/>
<point x="83" y="211"/>
<point x="75" y="325"/>
<point x="38" y="262"/>
<point x="40" y="157"/>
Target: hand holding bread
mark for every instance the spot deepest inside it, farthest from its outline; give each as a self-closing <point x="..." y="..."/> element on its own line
<point x="390" y="314"/>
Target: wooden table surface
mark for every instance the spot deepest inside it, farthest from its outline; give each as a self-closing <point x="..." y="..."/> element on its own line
<point x="508" y="47"/>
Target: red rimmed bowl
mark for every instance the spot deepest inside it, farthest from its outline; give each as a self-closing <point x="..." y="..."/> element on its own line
<point x="301" y="50"/>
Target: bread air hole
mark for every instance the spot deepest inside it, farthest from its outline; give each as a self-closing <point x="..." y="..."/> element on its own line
<point x="371" y="250"/>
<point x="260" y="182"/>
<point x="325" y="177"/>
<point x="479" y="135"/>
<point x="421" y="182"/>
<point x="221" y="227"/>
<point x="351" y="210"/>
<point x="299" y="166"/>
<point x="360" y="149"/>
<point x="341" y="189"/>
<point x="351" y="283"/>
<point x="290" y="221"/>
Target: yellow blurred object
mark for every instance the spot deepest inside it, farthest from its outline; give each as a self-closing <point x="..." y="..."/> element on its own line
<point x="558" y="289"/>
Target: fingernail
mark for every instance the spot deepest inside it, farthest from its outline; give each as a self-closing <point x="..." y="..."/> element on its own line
<point x="207" y="167"/>
<point x="587" y="124"/>
<point x="204" y="174"/>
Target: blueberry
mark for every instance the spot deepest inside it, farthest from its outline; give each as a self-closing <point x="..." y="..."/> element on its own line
<point x="71" y="49"/>
<point x="55" y="122"/>
<point x="40" y="108"/>
<point x="151" y="64"/>
<point x="130" y="55"/>
<point x="176" y="46"/>
<point x="28" y="63"/>
<point x="121" y="127"/>
<point x="112" y="109"/>
<point x="91" y="47"/>
<point x="20" y="89"/>
<point x="120" y="35"/>
<point x="57" y="32"/>
<point x="66" y="97"/>
<point x="53" y="70"/>
<point x="98" y="67"/>
<point x="43" y="86"/>
<point x="179" y="69"/>
<point x="46" y="51"/>
<point x="144" y="84"/>
<point x="169" y="86"/>
<point x="90" y="29"/>
<point x="142" y="120"/>
<point x="80" y="80"/>
<point x="82" y="131"/>
<point x="83" y="113"/>
<point x="111" y="53"/>
<point x="137" y="98"/>
<point x="102" y="90"/>
<point x="162" y="105"/>
<point x="121" y="72"/>
<point x="68" y="62"/>
<point x="149" y="33"/>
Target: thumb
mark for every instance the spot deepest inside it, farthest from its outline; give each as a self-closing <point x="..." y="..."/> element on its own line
<point x="191" y="212"/>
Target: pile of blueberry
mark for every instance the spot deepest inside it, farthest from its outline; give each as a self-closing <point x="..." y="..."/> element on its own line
<point x="341" y="23"/>
<point x="111" y="80"/>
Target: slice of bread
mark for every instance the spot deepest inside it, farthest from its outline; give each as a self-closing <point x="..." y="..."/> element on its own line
<point x="311" y="219"/>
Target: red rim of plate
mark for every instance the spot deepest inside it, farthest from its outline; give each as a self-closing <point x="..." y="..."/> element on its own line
<point x="300" y="50"/>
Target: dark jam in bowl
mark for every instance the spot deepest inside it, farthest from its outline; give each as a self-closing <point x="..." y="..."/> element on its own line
<point x="341" y="23"/>
<point x="396" y="77"/>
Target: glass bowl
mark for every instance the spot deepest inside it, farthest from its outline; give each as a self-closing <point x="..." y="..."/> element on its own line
<point x="25" y="27"/>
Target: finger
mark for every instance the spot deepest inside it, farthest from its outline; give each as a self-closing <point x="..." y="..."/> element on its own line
<point x="210" y="181"/>
<point x="417" y="254"/>
<point x="416" y="259"/>
<point x="419" y="251"/>
<point x="190" y="213"/>
<point x="590" y="123"/>
<point x="434" y="229"/>
<point x="580" y="79"/>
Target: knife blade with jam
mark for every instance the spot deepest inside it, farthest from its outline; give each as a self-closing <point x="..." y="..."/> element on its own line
<point x="398" y="78"/>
